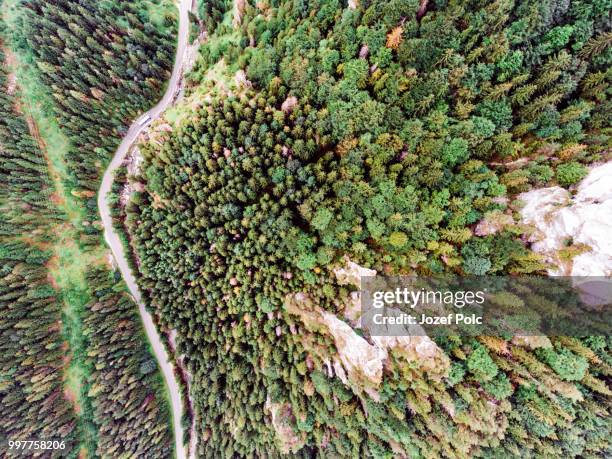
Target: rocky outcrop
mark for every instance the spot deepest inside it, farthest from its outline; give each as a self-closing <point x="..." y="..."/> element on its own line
<point x="419" y="350"/>
<point x="134" y="161"/>
<point x="239" y="6"/>
<point x="582" y="222"/>
<point x="283" y="422"/>
<point x="350" y="273"/>
<point x="362" y="361"/>
<point x="241" y="80"/>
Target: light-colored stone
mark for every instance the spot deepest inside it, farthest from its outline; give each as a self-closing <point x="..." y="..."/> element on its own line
<point x="239" y="6"/>
<point x="596" y="186"/>
<point x="359" y="363"/>
<point x="584" y="219"/>
<point x="363" y="362"/>
<point x="241" y="80"/>
<point x="540" y="207"/>
<point x="351" y="273"/>
<point x="492" y="223"/>
<point x="414" y="346"/>
<point x="283" y="422"/>
<point x="340" y="373"/>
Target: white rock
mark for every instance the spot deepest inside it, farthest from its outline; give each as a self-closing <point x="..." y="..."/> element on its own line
<point x="540" y="207"/>
<point x="351" y="273"/>
<point x="585" y="219"/>
<point x="590" y="264"/>
<point x="413" y="345"/>
<point x="358" y="357"/>
<point x="352" y="309"/>
<point x="596" y="186"/>
<point x="288" y="437"/>
<point x="241" y="80"/>
<point x="492" y="223"/>
<point x="339" y="370"/>
<point x="359" y="363"/>
<point x="596" y="225"/>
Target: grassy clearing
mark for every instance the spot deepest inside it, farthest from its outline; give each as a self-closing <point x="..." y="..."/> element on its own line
<point x="218" y="77"/>
<point x="159" y="10"/>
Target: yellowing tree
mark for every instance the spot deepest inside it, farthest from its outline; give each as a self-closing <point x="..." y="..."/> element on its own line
<point x="394" y="38"/>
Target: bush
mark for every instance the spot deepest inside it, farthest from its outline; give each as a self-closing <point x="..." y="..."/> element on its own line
<point x="398" y="239"/>
<point x="570" y="173"/>
<point x="565" y="363"/>
<point x="500" y="387"/>
<point x="481" y="365"/>
<point x="456" y="374"/>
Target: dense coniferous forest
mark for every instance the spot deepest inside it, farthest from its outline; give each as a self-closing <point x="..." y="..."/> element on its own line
<point x="130" y="412"/>
<point x="381" y="131"/>
<point x="75" y="361"/>
<point x="104" y="63"/>
<point x="32" y="403"/>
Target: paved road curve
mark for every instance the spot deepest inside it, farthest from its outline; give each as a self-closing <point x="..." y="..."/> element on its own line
<point x="114" y="242"/>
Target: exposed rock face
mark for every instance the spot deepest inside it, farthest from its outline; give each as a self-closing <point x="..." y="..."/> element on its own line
<point x="352" y="309"/>
<point x="283" y="422"/>
<point x="362" y="361"/>
<point x="353" y="4"/>
<point x="134" y="161"/>
<point x="541" y="210"/>
<point x="351" y="273"/>
<point x="359" y="362"/>
<point x="596" y="186"/>
<point x="584" y="219"/>
<point x="239" y="6"/>
<point x="241" y="80"/>
<point x="339" y="371"/>
<point x="421" y="349"/>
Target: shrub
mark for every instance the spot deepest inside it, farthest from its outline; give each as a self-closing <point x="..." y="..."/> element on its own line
<point x="570" y="173"/>
<point x="565" y="363"/>
<point x="481" y="365"/>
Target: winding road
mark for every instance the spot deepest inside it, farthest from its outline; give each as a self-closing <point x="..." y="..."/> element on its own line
<point x="113" y="241"/>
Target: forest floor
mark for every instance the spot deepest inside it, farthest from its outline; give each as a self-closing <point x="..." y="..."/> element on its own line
<point x="68" y="264"/>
